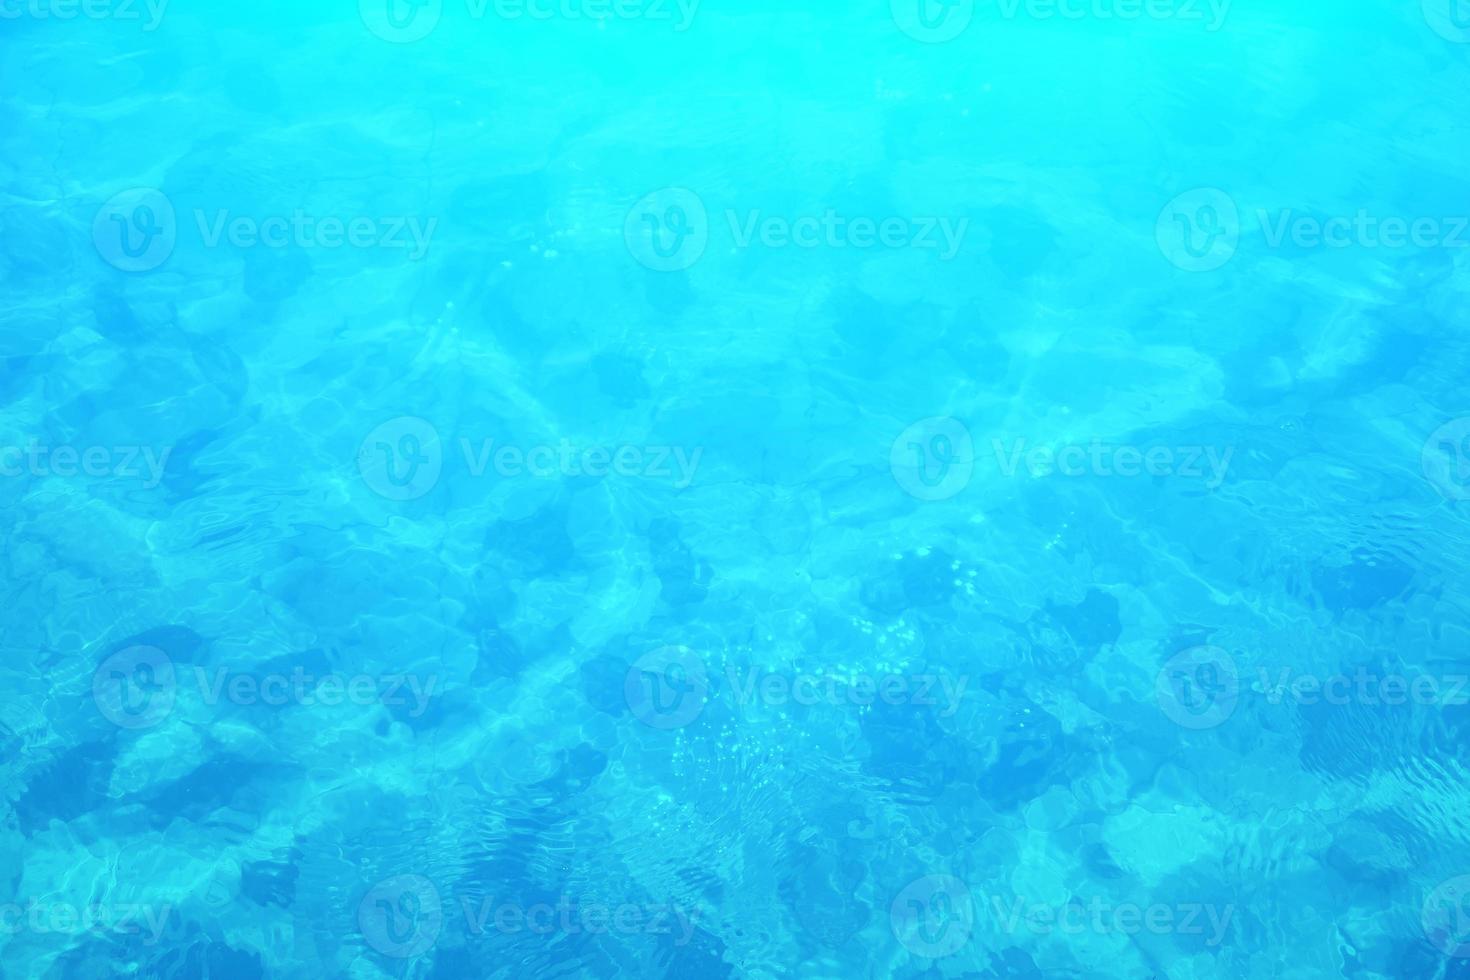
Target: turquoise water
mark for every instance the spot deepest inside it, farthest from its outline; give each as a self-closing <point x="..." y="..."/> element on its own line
<point x="637" y="489"/>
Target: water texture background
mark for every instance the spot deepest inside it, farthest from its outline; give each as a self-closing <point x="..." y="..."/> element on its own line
<point x="734" y="489"/>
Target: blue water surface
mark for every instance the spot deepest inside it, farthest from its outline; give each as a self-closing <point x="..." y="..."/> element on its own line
<point x="724" y="488"/>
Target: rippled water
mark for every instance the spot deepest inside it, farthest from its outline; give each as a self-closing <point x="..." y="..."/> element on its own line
<point x="650" y="489"/>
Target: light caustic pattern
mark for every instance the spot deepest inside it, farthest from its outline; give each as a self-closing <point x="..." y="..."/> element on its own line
<point x="657" y="488"/>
